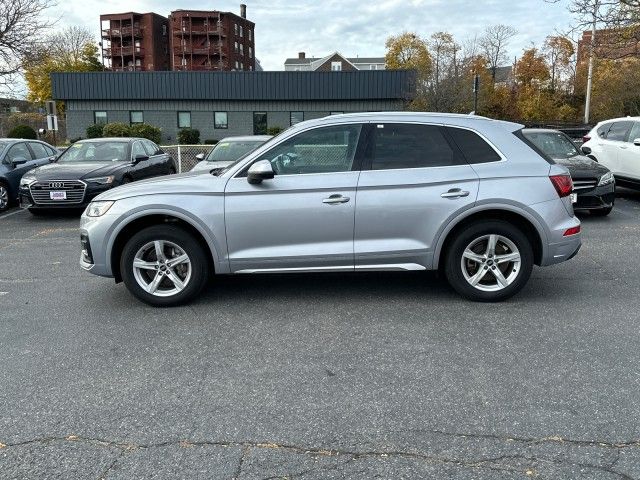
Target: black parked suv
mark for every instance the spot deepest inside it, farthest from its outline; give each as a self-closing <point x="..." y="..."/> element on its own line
<point x="88" y="168"/>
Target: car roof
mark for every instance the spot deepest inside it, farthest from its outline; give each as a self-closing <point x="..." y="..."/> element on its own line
<point x="247" y="138"/>
<point x="620" y="119"/>
<point x="109" y="139"/>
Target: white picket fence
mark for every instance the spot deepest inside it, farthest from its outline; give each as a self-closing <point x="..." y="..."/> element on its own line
<point x="185" y="155"/>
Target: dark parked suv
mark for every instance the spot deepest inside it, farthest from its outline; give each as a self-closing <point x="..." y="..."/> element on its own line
<point x="16" y="158"/>
<point x="90" y="167"/>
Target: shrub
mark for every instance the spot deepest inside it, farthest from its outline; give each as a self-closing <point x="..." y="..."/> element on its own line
<point x="95" y="131"/>
<point x="188" y="136"/>
<point x="274" y="130"/>
<point x="23" y="131"/>
<point x="116" y="129"/>
<point x="146" y="131"/>
<point x="74" y="140"/>
<point x="211" y="141"/>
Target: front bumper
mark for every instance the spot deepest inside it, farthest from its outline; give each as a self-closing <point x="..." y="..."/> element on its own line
<point x="596" y="198"/>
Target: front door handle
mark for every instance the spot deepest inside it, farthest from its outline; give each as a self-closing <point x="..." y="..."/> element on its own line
<point x="455" y="193"/>
<point x="335" y="199"/>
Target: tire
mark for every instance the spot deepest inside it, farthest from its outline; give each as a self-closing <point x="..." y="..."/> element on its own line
<point x="5" y="201"/>
<point x="174" y="242"/>
<point x="461" y="270"/>
<point x="601" y="212"/>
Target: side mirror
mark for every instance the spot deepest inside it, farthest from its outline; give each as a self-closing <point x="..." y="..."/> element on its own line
<point x="260" y="171"/>
<point x="200" y="157"/>
<point x="140" y="158"/>
<point x="53" y="158"/>
<point x="18" y="161"/>
<point x="636" y="142"/>
<point x="586" y="150"/>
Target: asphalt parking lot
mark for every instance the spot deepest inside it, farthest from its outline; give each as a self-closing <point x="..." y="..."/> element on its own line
<point x="320" y="376"/>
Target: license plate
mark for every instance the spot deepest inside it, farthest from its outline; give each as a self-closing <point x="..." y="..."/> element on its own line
<point x="58" y="195"/>
<point x="574" y="197"/>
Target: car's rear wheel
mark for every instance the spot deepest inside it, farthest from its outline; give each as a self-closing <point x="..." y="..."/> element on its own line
<point x="164" y="266"/>
<point x="489" y="261"/>
<point x="4" y="197"/>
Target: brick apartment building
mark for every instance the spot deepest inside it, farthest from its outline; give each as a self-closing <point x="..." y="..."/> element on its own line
<point x="186" y="40"/>
<point x="611" y="44"/>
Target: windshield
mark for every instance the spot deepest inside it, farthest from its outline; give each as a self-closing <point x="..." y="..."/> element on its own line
<point x="232" y="150"/>
<point x="95" y="152"/>
<point x="554" y="144"/>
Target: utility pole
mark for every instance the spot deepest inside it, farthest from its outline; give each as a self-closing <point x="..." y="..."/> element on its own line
<point x="592" y="49"/>
<point x="476" y="88"/>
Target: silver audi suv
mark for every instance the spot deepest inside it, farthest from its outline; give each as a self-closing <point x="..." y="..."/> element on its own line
<point x="463" y="194"/>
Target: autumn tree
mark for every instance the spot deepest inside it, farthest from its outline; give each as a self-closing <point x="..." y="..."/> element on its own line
<point x="409" y="51"/>
<point x="22" y="29"/>
<point x="559" y="52"/>
<point x="71" y="50"/>
<point x="494" y="43"/>
<point x="531" y="68"/>
<point x="445" y="75"/>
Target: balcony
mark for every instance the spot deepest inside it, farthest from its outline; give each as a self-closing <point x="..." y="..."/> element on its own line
<point x="130" y="68"/>
<point x="199" y="30"/>
<point x="124" y="51"/>
<point x="213" y="49"/>
<point x="193" y="68"/>
<point x="123" y="32"/>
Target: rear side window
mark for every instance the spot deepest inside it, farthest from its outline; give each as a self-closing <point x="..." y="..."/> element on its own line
<point x="397" y="145"/>
<point x="619" y="131"/>
<point x="39" y="150"/>
<point x="473" y="147"/>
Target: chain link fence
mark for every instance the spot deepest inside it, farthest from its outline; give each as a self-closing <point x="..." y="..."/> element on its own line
<point x="185" y="155"/>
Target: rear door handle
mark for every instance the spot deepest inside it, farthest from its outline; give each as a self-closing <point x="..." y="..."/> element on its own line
<point x="455" y="193"/>
<point x="335" y="199"/>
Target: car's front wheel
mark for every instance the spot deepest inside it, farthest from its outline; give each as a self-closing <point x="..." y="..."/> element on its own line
<point x="164" y="266"/>
<point x="4" y="197"/>
<point x="489" y="261"/>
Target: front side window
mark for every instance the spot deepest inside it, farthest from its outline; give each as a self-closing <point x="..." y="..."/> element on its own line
<point x="473" y="147"/>
<point x="635" y="132"/>
<point x="184" y="119"/>
<point x="296" y="117"/>
<point x="398" y="145"/>
<point x="39" y="150"/>
<point x="19" y="152"/>
<point x="138" y="149"/>
<point x="151" y="148"/>
<point x="619" y="131"/>
<point x="95" y="151"/>
<point x="321" y="150"/>
<point x="220" y="120"/>
<point x="100" y="117"/>
<point x="136" y="117"/>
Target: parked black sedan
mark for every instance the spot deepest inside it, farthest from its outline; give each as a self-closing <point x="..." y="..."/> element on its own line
<point x="593" y="184"/>
<point x="88" y="168"/>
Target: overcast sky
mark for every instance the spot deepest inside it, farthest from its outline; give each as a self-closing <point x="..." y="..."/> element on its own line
<point x="352" y="27"/>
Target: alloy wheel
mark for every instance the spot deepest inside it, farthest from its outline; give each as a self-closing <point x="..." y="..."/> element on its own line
<point x="162" y="268"/>
<point x="491" y="263"/>
<point x="4" y="197"/>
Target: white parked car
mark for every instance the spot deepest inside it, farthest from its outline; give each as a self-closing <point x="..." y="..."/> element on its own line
<point x="229" y="150"/>
<point x="616" y="145"/>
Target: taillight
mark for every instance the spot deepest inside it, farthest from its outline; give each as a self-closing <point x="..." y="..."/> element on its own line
<point x="571" y="231"/>
<point x="562" y="184"/>
<point x="586" y="138"/>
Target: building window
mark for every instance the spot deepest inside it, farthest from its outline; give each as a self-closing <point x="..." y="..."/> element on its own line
<point x="259" y="123"/>
<point x="336" y="113"/>
<point x="373" y="67"/>
<point x="100" y="117"/>
<point x="250" y="52"/>
<point x="250" y="67"/>
<point x="136" y="117"/>
<point x="296" y="117"/>
<point x="241" y="31"/>
<point x="220" y="120"/>
<point x="237" y="65"/>
<point x="184" y="119"/>
<point x="242" y="50"/>
<point x="250" y="35"/>
<point x="235" y="28"/>
<point x="235" y="47"/>
<point x="241" y="66"/>
<point x="164" y="30"/>
<point x="336" y="66"/>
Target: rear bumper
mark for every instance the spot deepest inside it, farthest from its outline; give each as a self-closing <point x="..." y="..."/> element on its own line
<point x="563" y="251"/>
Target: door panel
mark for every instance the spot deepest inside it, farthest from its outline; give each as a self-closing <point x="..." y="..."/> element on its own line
<point x="613" y="146"/>
<point x="284" y="223"/>
<point x="143" y="169"/>
<point x="629" y="156"/>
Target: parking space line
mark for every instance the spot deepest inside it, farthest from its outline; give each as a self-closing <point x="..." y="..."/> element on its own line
<point x="20" y="210"/>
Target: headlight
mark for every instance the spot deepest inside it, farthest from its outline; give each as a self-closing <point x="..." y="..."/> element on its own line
<point x="97" y="209"/>
<point x="606" y="179"/>
<point x="26" y="181"/>
<point x="101" y="180"/>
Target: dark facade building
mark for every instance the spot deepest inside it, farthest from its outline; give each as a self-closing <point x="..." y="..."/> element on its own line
<point x="222" y="104"/>
<point x="611" y="44"/>
<point x="211" y="40"/>
<point x="135" y="42"/>
<point x="187" y="40"/>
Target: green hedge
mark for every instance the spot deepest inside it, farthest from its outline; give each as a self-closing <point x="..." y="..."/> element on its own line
<point x="146" y="131"/>
<point x="23" y="131"/>
<point x="188" y="136"/>
<point x="116" y="129"/>
<point x="95" y="131"/>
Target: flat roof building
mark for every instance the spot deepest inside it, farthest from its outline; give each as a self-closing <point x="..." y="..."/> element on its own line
<point x="222" y="104"/>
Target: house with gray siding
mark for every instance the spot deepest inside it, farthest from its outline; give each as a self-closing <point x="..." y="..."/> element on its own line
<point x="222" y="104"/>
